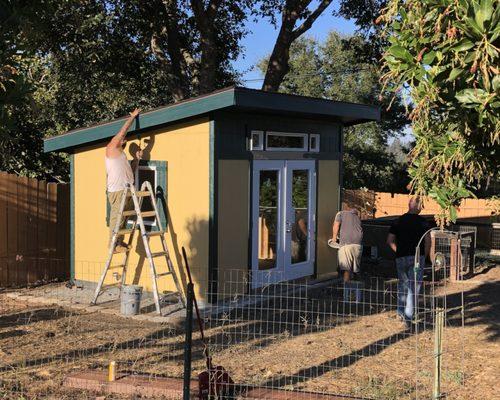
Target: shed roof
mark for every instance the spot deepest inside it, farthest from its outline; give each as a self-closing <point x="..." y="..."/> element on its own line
<point x="233" y="98"/>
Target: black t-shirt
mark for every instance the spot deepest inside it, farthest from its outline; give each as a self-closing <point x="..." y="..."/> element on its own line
<point x="408" y="229"/>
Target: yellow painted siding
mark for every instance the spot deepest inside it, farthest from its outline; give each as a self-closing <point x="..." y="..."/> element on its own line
<point x="328" y="206"/>
<point x="233" y="220"/>
<point x="185" y="147"/>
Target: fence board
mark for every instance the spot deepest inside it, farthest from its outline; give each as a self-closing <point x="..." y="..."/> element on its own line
<point x="52" y="230"/>
<point x="34" y="231"/>
<point x="3" y="228"/>
<point x="11" y="194"/>
<point x="22" y="230"/>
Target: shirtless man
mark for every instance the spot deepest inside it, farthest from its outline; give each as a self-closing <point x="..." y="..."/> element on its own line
<point x="119" y="173"/>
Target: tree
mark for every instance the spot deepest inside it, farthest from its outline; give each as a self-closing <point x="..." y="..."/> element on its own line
<point x="445" y="55"/>
<point x="333" y="70"/>
<point x="293" y="12"/>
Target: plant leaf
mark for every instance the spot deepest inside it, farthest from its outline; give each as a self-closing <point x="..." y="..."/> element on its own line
<point x="455" y="72"/>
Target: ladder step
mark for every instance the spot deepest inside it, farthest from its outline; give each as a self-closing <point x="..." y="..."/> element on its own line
<point x="148" y="214"/>
<point x="159" y="254"/>
<point x="125" y="231"/>
<point x="163" y="274"/>
<point x="139" y="193"/>
<point x="155" y="233"/>
<point x="129" y="213"/>
<point x="143" y="214"/>
<point x="116" y="266"/>
<point x="109" y="285"/>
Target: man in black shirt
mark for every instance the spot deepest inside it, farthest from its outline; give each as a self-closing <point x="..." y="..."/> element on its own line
<point x="403" y="239"/>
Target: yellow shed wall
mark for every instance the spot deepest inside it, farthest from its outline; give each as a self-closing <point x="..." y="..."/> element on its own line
<point x="233" y="225"/>
<point x="185" y="147"/>
<point x="328" y="206"/>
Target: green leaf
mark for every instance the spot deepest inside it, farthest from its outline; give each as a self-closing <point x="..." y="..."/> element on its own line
<point x="400" y="53"/>
<point x="455" y="72"/>
<point x="429" y="58"/>
<point x="483" y="13"/>
<point x="496" y="83"/>
<point x="468" y="96"/>
<point x="453" y="214"/>
<point x="463" y="45"/>
<point x="475" y="27"/>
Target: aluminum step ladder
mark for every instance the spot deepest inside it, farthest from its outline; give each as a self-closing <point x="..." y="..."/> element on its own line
<point x="137" y="216"/>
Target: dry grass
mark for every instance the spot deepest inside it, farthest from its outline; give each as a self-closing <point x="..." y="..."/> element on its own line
<point x="369" y="356"/>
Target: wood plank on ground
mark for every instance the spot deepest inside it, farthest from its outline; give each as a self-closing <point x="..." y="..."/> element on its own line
<point x="171" y="388"/>
<point x="138" y="385"/>
<point x="278" y="394"/>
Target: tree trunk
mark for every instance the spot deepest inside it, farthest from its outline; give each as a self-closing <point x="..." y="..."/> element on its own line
<point x="278" y="65"/>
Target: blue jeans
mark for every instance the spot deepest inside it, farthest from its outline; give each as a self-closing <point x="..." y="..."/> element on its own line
<point x="408" y="285"/>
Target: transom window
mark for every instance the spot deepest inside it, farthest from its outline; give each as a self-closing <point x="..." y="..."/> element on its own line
<point x="283" y="141"/>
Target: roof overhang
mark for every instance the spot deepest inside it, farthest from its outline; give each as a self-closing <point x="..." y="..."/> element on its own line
<point x="232" y="98"/>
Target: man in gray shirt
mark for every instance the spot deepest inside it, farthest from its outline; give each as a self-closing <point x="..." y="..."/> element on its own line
<point x="347" y="229"/>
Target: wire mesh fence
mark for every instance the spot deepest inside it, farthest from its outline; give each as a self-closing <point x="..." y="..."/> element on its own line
<point x="293" y="339"/>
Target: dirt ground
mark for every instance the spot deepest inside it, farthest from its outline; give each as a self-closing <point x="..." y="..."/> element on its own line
<point x="368" y="356"/>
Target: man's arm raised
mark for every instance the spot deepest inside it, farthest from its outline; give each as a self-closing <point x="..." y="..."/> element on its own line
<point x="114" y="147"/>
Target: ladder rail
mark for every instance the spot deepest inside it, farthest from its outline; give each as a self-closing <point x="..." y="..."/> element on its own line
<point x="137" y="200"/>
<point x="146" y="245"/>
<point x="147" y="185"/>
<point x="112" y="246"/>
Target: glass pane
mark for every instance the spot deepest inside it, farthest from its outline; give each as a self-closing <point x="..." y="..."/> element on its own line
<point x="147" y="175"/>
<point x="268" y="219"/>
<point x="300" y="204"/>
<point x="285" y="141"/>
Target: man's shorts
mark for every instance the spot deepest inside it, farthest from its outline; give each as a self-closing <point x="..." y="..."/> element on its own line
<point x="350" y="257"/>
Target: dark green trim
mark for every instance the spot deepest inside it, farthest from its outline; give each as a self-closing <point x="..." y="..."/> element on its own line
<point x="238" y="98"/>
<point x="151" y="119"/>
<point x="315" y="266"/>
<point x="293" y="155"/>
<point x="213" y="237"/>
<point x="72" y="218"/>
<point x="302" y="105"/>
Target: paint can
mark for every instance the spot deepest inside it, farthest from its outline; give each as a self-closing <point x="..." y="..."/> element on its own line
<point x="131" y="300"/>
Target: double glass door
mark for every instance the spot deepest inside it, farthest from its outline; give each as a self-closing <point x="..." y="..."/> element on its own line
<point x="284" y="219"/>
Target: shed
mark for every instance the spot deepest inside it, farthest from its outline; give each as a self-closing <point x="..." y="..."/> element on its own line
<point x="249" y="181"/>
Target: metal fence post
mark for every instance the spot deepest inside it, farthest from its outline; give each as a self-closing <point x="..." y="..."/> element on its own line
<point x="188" y="342"/>
<point x="438" y="352"/>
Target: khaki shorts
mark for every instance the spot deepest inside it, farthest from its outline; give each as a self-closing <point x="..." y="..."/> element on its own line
<point x="350" y="257"/>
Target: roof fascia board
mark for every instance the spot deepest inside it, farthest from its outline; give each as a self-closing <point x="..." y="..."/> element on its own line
<point x="279" y="102"/>
<point x="147" y="120"/>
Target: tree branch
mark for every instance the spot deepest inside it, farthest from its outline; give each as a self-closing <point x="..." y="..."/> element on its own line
<point x="306" y="25"/>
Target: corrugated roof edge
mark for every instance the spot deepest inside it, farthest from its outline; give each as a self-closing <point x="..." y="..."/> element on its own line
<point x="224" y="98"/>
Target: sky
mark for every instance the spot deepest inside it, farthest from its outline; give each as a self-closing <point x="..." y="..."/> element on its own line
<point x="260" y="41"/>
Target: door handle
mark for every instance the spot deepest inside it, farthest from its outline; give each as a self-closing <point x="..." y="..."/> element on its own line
<point x="288" y="227"/>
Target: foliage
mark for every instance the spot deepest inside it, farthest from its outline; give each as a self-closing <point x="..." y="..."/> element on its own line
<point x="445" y="55"/>
<point x="20" y="138"/>
<point x="333" y="70"/>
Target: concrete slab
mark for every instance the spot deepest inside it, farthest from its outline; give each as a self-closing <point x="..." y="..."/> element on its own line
<point x="79" y="298"/>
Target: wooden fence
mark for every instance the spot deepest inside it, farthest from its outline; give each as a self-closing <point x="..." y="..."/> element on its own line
<point x="34" y="231"/>
<point x="381" y="204"/>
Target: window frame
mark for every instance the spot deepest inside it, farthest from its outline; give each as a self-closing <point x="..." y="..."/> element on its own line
<point x="146" y="167"/>
<point x="260" y="134"/>
<point x="304" y="148"/>
<point x="315" y="136"/>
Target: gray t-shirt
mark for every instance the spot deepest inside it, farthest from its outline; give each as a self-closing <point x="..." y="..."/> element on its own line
<point x="350" y="227"/>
